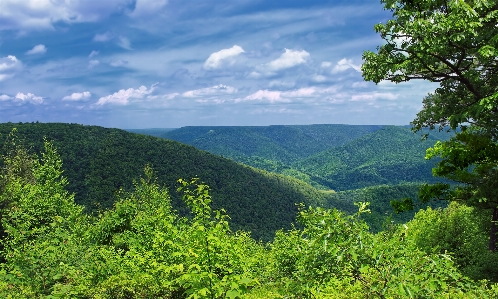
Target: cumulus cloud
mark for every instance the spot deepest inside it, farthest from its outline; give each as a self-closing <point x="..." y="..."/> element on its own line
<point x="361" y="84"/>
<point x="9" y="65"/>
<point x="289" y="59"/>
<point x="29" y="97"/>
<point x="300" y="93"/>
<point x="147" y="7"/>
<point x="123" y="96"/>
<point x="218" y="89"/>
<point x="4" y="97"/>
<point x="319" y="78"/>
<point x="38" y="49"/>
<point x="275" y="96"/>
<point x="345" y="64"/>
<point x="217" y="59"/>
<point x="326" y="64"/>
<point x="78" y="96"/>
<point x="43" y="14"/>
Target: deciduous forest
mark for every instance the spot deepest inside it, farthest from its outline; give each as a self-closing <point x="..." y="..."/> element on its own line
<point x="322" y="211"/>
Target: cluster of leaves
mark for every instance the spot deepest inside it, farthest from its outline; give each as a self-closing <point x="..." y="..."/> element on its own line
<point x="141" y="248"/>
<point x="334" y="256"/>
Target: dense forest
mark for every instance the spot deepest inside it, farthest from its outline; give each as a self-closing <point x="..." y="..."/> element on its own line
<point x="142" y="248"/>
<point x="99" y="161"/>
<point x="88" y="212"/>
<point x="337" y="157"/>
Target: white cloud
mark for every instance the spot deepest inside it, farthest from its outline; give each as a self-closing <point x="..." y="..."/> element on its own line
<point x="9" y="65"/>
<point x="299" y="93"/>
<point x="268" y="95"/>
<point x="4" y="97"/>
<point x="374" y="96"/>
<point x="145" y="8"/>
<point x="319" y="78"/>
<point x="169" y="96"/>
<point x="345" y="64"/>
<point x="93" y="63"/>
<point x="78" y="96"/>
<point x="326" y="64"/>
<point x="29" y="97"/>
<point x="281" y="84"/>
<point x="361" y="84"/>
<point x="218" y="89"/>
<point x="104" y="37"/>
<point x="38" y="49"/>
<point x="274" y="96"/>
<point x="123" y="96"/>
<point x="118" y="63"/>
<point x="289" y="59"/>
<point x="94" y="53"/>
<point x="217" y="59"/>
<point x="254" y="75"/>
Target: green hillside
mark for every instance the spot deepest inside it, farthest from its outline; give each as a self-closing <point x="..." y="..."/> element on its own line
<point x="98" y="161"/>
<point x="338" y="157"/>
<point x="390" y="155"/>
<point x="380" y="198"/>
<point x="284" y="144"/>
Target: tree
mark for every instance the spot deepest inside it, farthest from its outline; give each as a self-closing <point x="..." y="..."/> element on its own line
<point x="454" y="43"/>
<point x="451" y="42"/>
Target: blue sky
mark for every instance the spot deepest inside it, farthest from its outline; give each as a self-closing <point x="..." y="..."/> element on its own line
<point x="170" y="63"/>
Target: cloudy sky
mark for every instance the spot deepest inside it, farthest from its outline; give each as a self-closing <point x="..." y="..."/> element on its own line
<point x="171" y="63"/>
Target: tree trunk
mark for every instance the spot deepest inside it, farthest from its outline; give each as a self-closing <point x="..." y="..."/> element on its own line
<point x="492" y="236"/>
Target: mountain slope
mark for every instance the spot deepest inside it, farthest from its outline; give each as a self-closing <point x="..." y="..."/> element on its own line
<point x="283" y="144"/>
<point x="99" y="161"/>
<point x="390" y="155"/>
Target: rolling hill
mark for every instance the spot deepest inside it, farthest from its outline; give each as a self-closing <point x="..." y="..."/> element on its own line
<point x="391" y="155"/>
<point x="283" y="144"/>
<point x="338" y="157"/>
<point x="98" y="161"/>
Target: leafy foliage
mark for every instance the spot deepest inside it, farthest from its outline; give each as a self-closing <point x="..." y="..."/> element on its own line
<point x="455" y="44"/>
<point x="458" y="229"/>
<point x="451" y="42"/>
<point x="141" y="248"/>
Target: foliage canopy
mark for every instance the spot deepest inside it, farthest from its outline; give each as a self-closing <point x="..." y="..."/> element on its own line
<point x="454" y="43"/>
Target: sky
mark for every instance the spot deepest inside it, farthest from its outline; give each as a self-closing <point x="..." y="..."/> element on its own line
<point x="170" y="63"/>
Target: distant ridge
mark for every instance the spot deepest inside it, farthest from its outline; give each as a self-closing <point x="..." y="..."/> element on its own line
<point x="338" y="157"/>
<point x="282" y="143"/>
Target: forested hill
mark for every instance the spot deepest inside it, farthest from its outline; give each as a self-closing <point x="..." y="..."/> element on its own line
<point x="283" y="143"/>
<point x="98" y="161"/>
<point x="391" y="155"/>
<point x="338" y="157"/>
